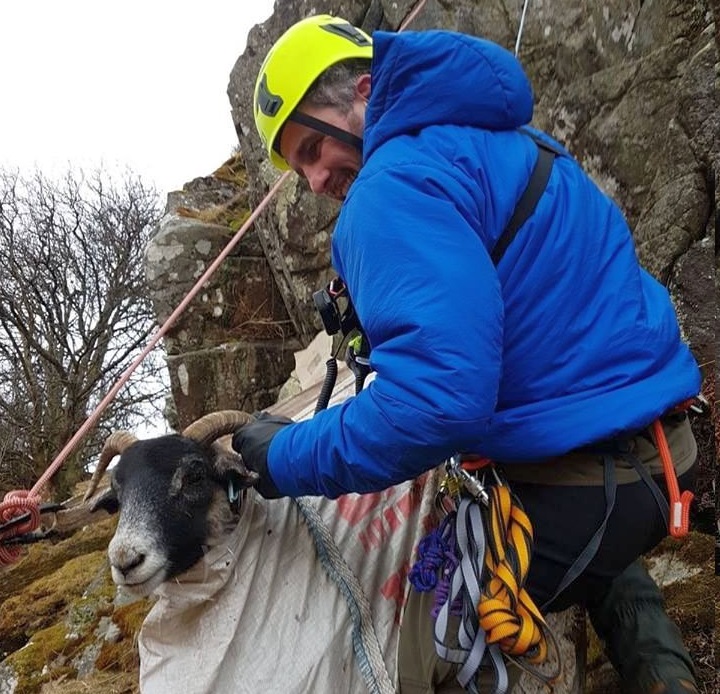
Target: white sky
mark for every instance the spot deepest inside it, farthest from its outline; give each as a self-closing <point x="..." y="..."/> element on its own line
<point x="138" y="85"/>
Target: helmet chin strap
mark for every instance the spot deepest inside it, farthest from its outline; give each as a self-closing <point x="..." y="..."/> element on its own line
<point x="327" y="129"/>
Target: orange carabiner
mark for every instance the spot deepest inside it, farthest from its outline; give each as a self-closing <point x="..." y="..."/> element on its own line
<point x="679" y="521"/>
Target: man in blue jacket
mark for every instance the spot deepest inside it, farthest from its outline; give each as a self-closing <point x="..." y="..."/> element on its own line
<point x="547" y="349"/>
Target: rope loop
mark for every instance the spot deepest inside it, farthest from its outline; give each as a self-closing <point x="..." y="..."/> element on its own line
<point x="17" y="503"/>
<point x="507" y="613"/>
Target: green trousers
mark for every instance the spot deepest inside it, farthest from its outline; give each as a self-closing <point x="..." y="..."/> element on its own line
<point x="642" y="642"/>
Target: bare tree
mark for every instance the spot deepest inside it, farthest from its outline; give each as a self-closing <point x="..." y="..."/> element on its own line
<point x="74" y="312"/>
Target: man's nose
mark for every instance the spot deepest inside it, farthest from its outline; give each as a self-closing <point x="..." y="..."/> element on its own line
<point x="317" y="178"/>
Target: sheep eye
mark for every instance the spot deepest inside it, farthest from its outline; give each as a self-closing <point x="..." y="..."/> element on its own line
<point x="193" y="476"/>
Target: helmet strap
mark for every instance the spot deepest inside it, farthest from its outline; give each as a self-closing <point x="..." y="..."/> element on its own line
<point x="321" y="126"/>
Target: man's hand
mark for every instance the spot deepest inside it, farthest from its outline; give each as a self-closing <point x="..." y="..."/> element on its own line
<point x="253" y="441"/>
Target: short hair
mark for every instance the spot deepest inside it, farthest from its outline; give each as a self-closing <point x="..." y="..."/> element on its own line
<point x="336" y="85"/>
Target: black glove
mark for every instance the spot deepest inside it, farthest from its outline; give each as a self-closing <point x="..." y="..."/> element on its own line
<point x="252" y="442"/>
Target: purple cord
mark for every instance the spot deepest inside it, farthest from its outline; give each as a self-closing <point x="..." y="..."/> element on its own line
<point x="436" y="564"/>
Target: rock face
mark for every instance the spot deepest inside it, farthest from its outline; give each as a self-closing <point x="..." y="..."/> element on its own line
<point x="234" y="344"/>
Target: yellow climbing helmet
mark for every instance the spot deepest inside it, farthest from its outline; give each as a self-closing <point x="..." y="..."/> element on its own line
<point x="294" y="62"/>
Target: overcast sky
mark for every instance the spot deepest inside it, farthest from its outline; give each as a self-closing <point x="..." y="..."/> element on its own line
<point x="138" y="84"/>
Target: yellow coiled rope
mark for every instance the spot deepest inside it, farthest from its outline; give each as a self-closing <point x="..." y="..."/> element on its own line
<point x="506" y="611"/>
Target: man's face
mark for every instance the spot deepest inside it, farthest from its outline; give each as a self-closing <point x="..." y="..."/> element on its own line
<point x="329" y="165"/>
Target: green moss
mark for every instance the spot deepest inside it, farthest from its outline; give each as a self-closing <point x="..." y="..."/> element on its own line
<point x="43" y="558"/>
<point x="122" y="654"/>
<point x="41" y="602"/>
<point x="44" y="658"/>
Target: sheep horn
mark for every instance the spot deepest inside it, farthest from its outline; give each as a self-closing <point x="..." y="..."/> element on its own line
<point x="115" y="444"/>
<point x="210" y="427"/>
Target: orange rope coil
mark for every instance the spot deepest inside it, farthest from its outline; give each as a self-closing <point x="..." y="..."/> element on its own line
<point x="507" y="613"/>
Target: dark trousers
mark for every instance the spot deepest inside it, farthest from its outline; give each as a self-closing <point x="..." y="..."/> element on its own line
<point x="563" y="527"/>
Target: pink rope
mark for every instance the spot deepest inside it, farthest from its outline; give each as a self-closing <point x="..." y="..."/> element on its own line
<point x="412" y="15"/>
<point x="17" y="503"/>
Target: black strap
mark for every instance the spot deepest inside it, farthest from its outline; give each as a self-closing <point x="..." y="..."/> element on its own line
<point x="529" y="199"/>
<point x="586" y="556"/>
<point x="326" y="129"/>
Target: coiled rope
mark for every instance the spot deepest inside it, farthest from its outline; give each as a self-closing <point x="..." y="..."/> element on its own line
<point x="477" y="561"/>
<point x="16" y="504"/>
<point x="507" y="613"/>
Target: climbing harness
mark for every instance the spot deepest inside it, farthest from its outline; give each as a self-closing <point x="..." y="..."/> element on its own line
<point x="477" y="561"/>
<point x="338" y="316"/>
<point x="676" y="513"/>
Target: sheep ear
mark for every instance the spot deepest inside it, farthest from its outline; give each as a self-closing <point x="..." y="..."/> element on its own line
<point x="231" y="469"/>
<point x="107" y="501"/>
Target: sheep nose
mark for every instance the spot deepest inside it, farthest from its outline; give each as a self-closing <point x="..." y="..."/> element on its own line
<point x="128" y="562"/>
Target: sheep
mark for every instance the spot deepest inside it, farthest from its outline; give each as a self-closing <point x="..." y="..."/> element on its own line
<point x="177" y="495"/>
<point x="234" y="574"/>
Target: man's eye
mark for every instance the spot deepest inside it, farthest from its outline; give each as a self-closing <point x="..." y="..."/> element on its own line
<point x="314" y="151"/>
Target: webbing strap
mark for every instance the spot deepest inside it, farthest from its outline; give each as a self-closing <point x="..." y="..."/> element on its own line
<point x="646" y="477"/>
<point x="326" y="129"/>
<point x="529" y="199"/>
<point x="585" y="557"/>
<point x="472" y="645"/>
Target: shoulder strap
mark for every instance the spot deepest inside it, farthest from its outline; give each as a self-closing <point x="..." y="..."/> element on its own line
<point x="530" y="197"/>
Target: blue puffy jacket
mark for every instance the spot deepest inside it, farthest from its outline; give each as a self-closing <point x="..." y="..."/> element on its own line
<point x="568" y="341"/>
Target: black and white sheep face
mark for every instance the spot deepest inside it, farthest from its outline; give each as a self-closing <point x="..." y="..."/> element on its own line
<point x="168" y="494"/>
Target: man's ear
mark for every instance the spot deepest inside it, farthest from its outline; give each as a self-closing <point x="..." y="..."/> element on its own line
<point x="363" y="86"/>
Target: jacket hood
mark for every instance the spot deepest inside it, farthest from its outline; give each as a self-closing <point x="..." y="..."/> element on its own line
<point x="440" y="78"/>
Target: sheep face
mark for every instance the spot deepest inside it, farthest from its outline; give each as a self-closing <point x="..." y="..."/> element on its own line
<point x="171" y="500"/>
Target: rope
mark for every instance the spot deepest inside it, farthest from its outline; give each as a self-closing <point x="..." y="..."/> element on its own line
<point x="16" y="504"/>
<point x="488" y="567"/>
<point x="366" y="646"/>
<point x="413" y="13"/>
<point x="507" y="613"/>
<point x="520" y="28"/>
